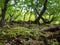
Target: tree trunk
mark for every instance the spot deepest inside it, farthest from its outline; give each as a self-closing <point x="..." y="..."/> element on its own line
<point x="4" y="11"/>
<point x="41" y="13"/>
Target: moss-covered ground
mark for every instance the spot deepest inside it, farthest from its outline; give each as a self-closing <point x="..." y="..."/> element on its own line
<point x="27" y="35"/>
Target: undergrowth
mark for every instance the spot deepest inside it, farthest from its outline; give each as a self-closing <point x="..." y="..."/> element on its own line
<point x="25" y="36"/>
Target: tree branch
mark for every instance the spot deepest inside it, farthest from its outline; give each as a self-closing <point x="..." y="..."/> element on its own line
<point x="42" y="11"/>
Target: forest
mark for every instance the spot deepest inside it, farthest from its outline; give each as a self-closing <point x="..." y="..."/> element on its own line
<point x="29" y="22"/>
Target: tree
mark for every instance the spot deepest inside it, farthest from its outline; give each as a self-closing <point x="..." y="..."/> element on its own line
<point x="39" y="8"/>
<point x="41" y="13"/>
<point x="4" y="11"/>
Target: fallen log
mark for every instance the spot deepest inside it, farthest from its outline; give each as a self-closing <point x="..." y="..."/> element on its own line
<point x="52" y="28"/>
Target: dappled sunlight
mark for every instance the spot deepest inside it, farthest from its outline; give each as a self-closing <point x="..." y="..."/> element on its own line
<point x="29" y="22"/>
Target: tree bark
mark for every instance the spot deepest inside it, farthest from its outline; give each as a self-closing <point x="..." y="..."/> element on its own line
<point x="4" y="11"/>
<point x="41" y="13"/>
<point x="51" y="29"/>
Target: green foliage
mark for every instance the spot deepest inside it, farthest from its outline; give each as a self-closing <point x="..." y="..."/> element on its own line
<point x="27" y="8"/>
<point x="1" y="3"/>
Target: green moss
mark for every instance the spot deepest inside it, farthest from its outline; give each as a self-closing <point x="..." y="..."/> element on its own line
<point x="1" y="43"/>
<point x="6" y="33"/>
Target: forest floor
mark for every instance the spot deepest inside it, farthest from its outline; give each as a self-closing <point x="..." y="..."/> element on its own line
<point x="24" y="34"/>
